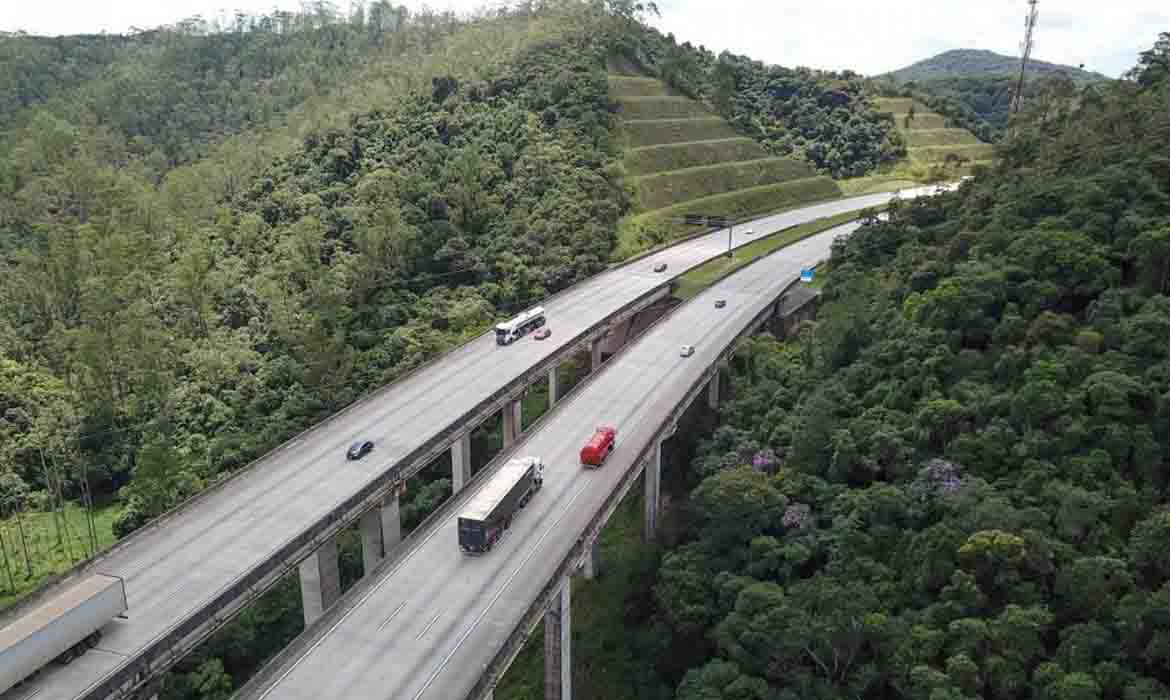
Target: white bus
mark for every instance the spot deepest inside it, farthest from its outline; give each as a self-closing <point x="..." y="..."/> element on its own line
<point x="509" y="331"/>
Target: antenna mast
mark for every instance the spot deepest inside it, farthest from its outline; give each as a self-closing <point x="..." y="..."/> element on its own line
<point x="1025" y="54"/>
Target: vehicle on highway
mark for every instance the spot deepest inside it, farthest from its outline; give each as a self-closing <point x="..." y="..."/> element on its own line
<point x="720" y="303"/>
<point x="660" y="267"/>
<point x="59" y="629"/>
<point x="489" y="513"/>
<point x="687" y="350"/>
<point x="542" y="334"/>
<point x="749" y="231"/>
<point x="359" y="449"/>
<point x="599" y="446"/>
<point x="508" y="331"/>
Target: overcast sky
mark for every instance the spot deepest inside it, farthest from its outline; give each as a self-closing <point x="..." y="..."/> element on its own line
<point x="867" y="36"/>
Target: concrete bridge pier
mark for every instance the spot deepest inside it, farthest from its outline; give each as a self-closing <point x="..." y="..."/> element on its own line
<point x="652" y="479"/>
<point x="320" y="581"/>
<point x="713" y="391"/>
<point x="591" y="566"/>
<point x="460" y="462"/>
<point x="513" y="422"/>
<point x="595" y="353"/>
<point x="381" y="530"/>
<point x="558" y="667"/>
<point x="553" y="388"/>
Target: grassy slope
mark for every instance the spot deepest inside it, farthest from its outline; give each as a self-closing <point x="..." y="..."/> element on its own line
<point x="654" y="132"/>
<point x="755" y="201"/>
<point x="667" y="188"/>
<point x="928" y="143"/>
<point x="682" y="162"/>
<point x="678" y="156"/>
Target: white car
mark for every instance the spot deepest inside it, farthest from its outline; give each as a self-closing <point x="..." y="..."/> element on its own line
<point x="749" y="232"/>
<point x="687" y="350"/>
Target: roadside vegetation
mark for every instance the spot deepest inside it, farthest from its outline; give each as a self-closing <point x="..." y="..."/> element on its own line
<point x="698" y="279"/>
<point x="953" y="483"/>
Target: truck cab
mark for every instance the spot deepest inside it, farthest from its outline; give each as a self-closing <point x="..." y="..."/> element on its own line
<point x="599" y="446"/>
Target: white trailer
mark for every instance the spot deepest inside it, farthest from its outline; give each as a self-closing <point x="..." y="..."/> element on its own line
<point x="59" y="628"/>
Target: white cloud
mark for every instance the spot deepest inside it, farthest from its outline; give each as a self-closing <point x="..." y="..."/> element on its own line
<point x="874" y="37"/>
<point x="869" y="37"/>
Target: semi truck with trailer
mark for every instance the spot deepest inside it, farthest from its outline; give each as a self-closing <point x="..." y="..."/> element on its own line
<point x="59" y="628"/>
<point x="599" y="446"/>
<point x="489" y="513"/>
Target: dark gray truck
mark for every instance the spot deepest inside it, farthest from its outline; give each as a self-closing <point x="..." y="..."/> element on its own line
<point x="489" y="513"/>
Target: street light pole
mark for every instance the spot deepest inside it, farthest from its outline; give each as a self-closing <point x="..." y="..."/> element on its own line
<point x="730" y="227"/>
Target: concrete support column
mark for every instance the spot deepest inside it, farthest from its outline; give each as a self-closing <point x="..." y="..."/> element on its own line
<point x="320" y="581"/>
<point x="460" y="462"/>
<point x="558" y="667"/>
<point x="553" y="388"/>
<point x="713" y="391"/>
<point x="391" y="523"/>
<point x="381" y="531"/>
<point x="652" y="479"/>
<point x="512" y="422"/>
<point x="592" y="565"/>
<point x="595" y="354"/>
<point x="372" y="546"/>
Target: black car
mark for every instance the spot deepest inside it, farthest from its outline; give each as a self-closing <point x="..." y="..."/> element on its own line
<point x="359" y="449"/>
<point x="660" y="267"/>
<point x="720" y="303"/>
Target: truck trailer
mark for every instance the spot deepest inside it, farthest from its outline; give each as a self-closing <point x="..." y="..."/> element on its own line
<point x="60" y="628"/>
<point x="599" y="446"/>
<point x="490" y="511"/>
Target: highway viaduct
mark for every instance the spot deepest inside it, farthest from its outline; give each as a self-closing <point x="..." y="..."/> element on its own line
<point x="394" y="637"/>
<point x="188" y="572"/>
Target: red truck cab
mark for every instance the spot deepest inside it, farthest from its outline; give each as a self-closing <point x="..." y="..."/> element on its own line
<point x="599" y="446"/>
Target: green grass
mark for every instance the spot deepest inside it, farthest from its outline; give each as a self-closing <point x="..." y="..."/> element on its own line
<point x="677" y="156"/>
<point x="922" y="120"/>
<point x="645" y="230"/>
<point x="916" y="138"/>
<point x="872" y="184"/>
<point x="661" y="107"/>
<point x="703" y="276"/>
<point x="669" y="188"/>
<point x="44" y="554"/>
<point x="894" y="104"/>
<point x="629" y="86"/>
<point x="937" y="154"/>
<point x="654" y="132"/>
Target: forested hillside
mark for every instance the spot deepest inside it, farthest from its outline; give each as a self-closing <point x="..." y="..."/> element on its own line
<point x="150" y="345"/>
<point x="954" y="484"/>
<point x="822" y="117"/>
<point x="971" y="62"/>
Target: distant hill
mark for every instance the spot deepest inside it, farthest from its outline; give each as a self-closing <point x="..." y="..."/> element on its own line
<point x="980" y="62"/>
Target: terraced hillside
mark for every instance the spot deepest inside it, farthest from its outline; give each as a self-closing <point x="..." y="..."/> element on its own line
<point x="928" y="140"/>
<point x="681" y="158"/>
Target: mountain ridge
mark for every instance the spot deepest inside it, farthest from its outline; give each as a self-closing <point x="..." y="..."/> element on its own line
<point x="982" y="62"/>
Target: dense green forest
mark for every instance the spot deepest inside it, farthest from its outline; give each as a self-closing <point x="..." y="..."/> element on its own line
<point x="954" y="483"/>
<point x="822" y="117"/>
<point x="970" y="62"/>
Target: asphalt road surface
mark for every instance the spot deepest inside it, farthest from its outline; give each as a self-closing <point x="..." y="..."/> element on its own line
<point x="174" y="571"/>
<point x="410" y="639"/>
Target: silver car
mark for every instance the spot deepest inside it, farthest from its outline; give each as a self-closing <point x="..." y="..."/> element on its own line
<point x="687" y="350"/>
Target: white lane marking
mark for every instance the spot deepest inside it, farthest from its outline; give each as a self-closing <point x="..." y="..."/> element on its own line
<point x="429" y="625"/>
<point x="500" y="592"/>
<point x="392" y="616"/>
<point x="357" y="604"/>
